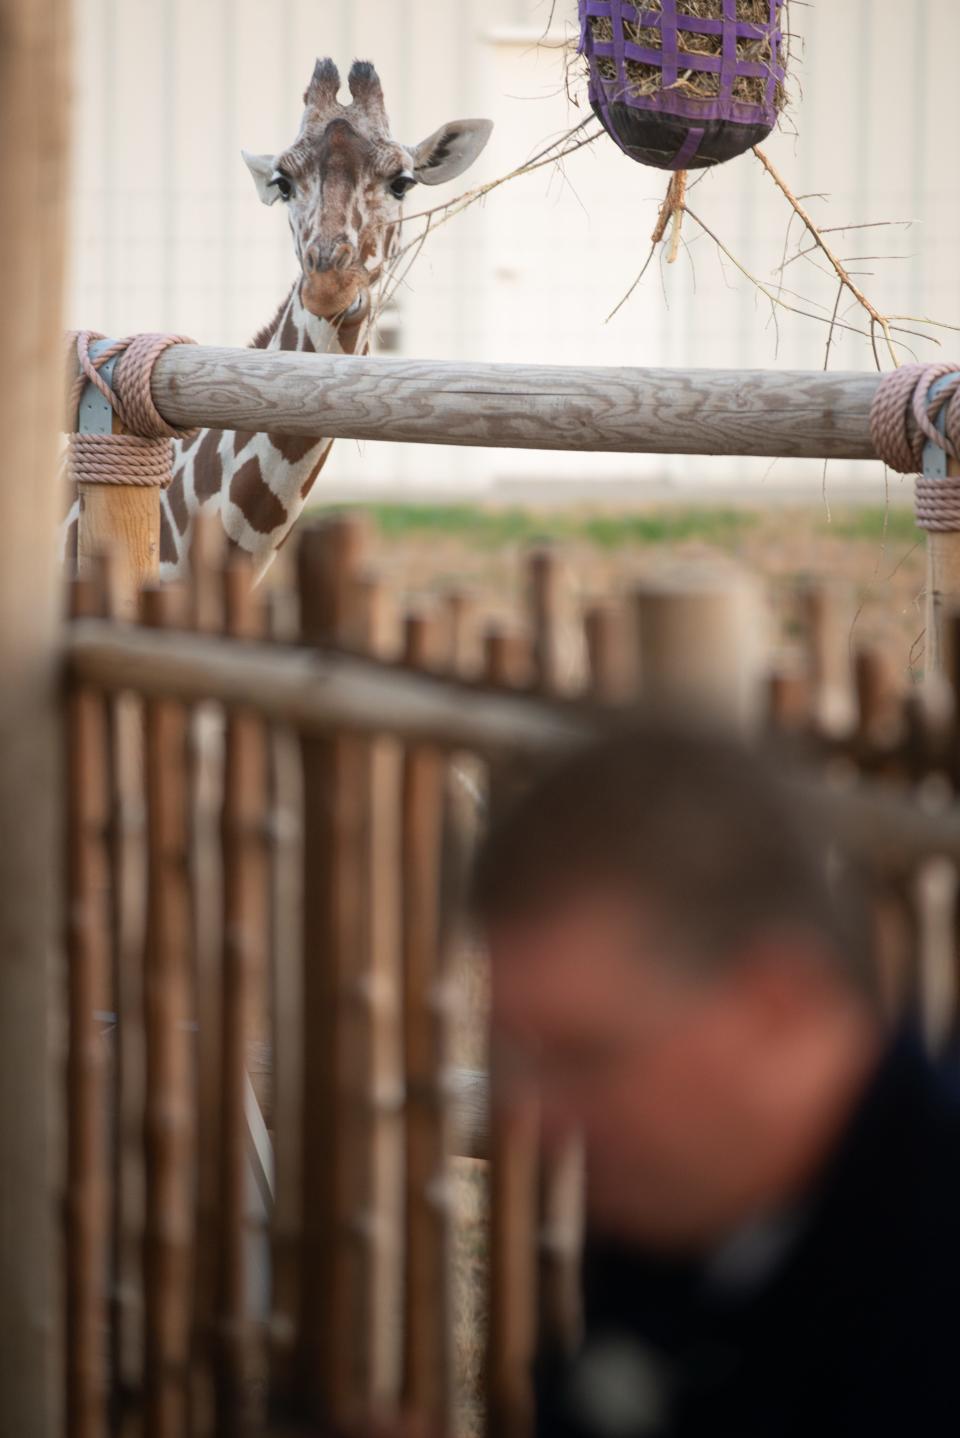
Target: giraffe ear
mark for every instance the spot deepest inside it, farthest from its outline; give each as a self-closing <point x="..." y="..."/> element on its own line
<point x="262" y="168"/>
<point x="450" y="150"/>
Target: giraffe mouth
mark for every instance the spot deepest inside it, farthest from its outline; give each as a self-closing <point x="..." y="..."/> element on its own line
<point x="335" y="295"/>
<point x="359" y="306"/>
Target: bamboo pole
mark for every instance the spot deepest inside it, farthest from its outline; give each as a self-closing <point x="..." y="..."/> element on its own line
<point x="322" y="694"/>
<point x="335" y="1298"/>
<point x="88" y="970"/>
<point x="561" y="1169"/>
<point x="827" y="614"/>
<point x="514" y="1226"/>
<point x="34" y="111"/>
<point x="358" y="1233"/>
<point x="380" y="1057"/>
<point x="427" y="1369"/>
<point x="318" y="693"/>
<point x="168" y="1009"/>
<point x="612" y="675"/>
<point x="319" y="1035"/>
<point x="788" y="698"/>
<point x="895" y="938"/>
<point x="127" y="895"/>
<point x="791" y="413"/>
<point x="286" y="965"/>
<point x="205" y="748"/>
<point x="243" y="964"/>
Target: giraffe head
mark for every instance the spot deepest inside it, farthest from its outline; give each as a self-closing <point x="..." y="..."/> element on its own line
<point x="343" y="181"/>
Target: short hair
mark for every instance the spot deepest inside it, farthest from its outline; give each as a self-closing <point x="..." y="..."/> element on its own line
<point x="711" y="836"/>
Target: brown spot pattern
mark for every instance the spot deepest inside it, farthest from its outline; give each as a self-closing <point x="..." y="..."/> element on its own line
<point x="289" y="335"/>
<point x="207" y="467"/>
<point x="312" y="479"/>
<point x="177" y="503"/>
<point x="186" y="445"/>
<point x="255" y="500"/>
<point x="261" y="340"/>
<point x="168" y="545"/>
<point x="241" y="438"/>
<point x="307" y="345"/>
<point x="292" y="447"/>
<point x="348" y="337"/>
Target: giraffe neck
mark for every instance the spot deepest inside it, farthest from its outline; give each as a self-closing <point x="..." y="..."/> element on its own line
<point x="257" y="483"/>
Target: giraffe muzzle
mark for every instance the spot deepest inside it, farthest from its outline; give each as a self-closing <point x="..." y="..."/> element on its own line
<point x="339" y="257"/>
<point x="330" y="293"/>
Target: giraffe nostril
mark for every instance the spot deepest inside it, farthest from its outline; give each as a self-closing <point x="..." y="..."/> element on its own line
<point x="311" y="261"/>
<point x="341" y="257"/>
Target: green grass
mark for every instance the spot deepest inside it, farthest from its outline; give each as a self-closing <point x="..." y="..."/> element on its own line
<point x="482" y="526"/>
<point x="874" y="523"/>
<point x="496" y="527"/>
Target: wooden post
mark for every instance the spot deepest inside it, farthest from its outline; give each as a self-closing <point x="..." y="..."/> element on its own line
<point x="895" y="921"/>
<point x="380" y="1056"/>
<point x="335" y="1290"/>
<point x="243" y="932"/>
<point x="168" y="1009"/>
<point x="427" y="1379"/>
<point x="286" y="966"/>
<point x="700" y="644"/>
<point x="35" y="91"/>
<point x="561" y="1170"/>
<point x="828" y="614"/>
<point x="612" y="674"/>
<point x="128" y="904"/>
<point x="513" y="1144"/>
<point x="88" y="958"/>
<point x="123" y="520"/>
<point x="205" y="744"/>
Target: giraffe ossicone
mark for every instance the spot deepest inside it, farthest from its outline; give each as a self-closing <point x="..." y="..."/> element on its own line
<point x="343" y="181"/>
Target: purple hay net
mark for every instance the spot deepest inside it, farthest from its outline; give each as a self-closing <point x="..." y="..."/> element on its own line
<point x="694" y="114"/>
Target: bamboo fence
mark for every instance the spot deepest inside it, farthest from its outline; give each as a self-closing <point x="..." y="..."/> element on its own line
<point x="284" y="892"/>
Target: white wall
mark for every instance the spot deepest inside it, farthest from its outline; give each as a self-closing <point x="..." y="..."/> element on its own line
<point x="169" y="233"/>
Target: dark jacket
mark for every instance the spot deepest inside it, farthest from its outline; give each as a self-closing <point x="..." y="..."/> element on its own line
<point x="852" y="1326"/>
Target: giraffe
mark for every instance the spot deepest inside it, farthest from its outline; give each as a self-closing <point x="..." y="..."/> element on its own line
<point x="343" y="181"/>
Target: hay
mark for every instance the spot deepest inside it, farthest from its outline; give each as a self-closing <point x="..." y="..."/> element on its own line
<point x="645" y="80"/>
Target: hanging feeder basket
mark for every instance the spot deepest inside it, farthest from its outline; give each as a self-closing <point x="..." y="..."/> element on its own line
<point x="684" y="84"/>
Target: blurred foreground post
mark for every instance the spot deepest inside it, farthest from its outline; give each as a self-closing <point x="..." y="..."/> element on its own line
<point x="700" y="645"/>
<point x="34" y="90"/>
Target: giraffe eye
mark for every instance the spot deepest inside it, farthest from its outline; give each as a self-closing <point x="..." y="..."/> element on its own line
<point x="284" y="185"/>
<point x="401" y="183"/>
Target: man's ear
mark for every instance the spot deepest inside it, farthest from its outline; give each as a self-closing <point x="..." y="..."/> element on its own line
<point x="450" y="150"/>
<point x="261" y="168"/>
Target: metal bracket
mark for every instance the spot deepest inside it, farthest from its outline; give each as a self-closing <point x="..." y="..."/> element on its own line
<point x="95" y="414"/>
<point x="936" y="461"/>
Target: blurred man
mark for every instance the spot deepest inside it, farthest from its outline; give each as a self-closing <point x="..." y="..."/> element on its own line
<point x="773" y="1185"/>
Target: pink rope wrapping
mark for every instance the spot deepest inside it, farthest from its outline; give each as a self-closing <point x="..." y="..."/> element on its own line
<point x="903" y="420"/>
<point x="143" y="458"/>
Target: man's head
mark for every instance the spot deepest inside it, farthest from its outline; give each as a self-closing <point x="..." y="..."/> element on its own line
<point x="676" y="970"/>
<point x="343" y="181"/>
